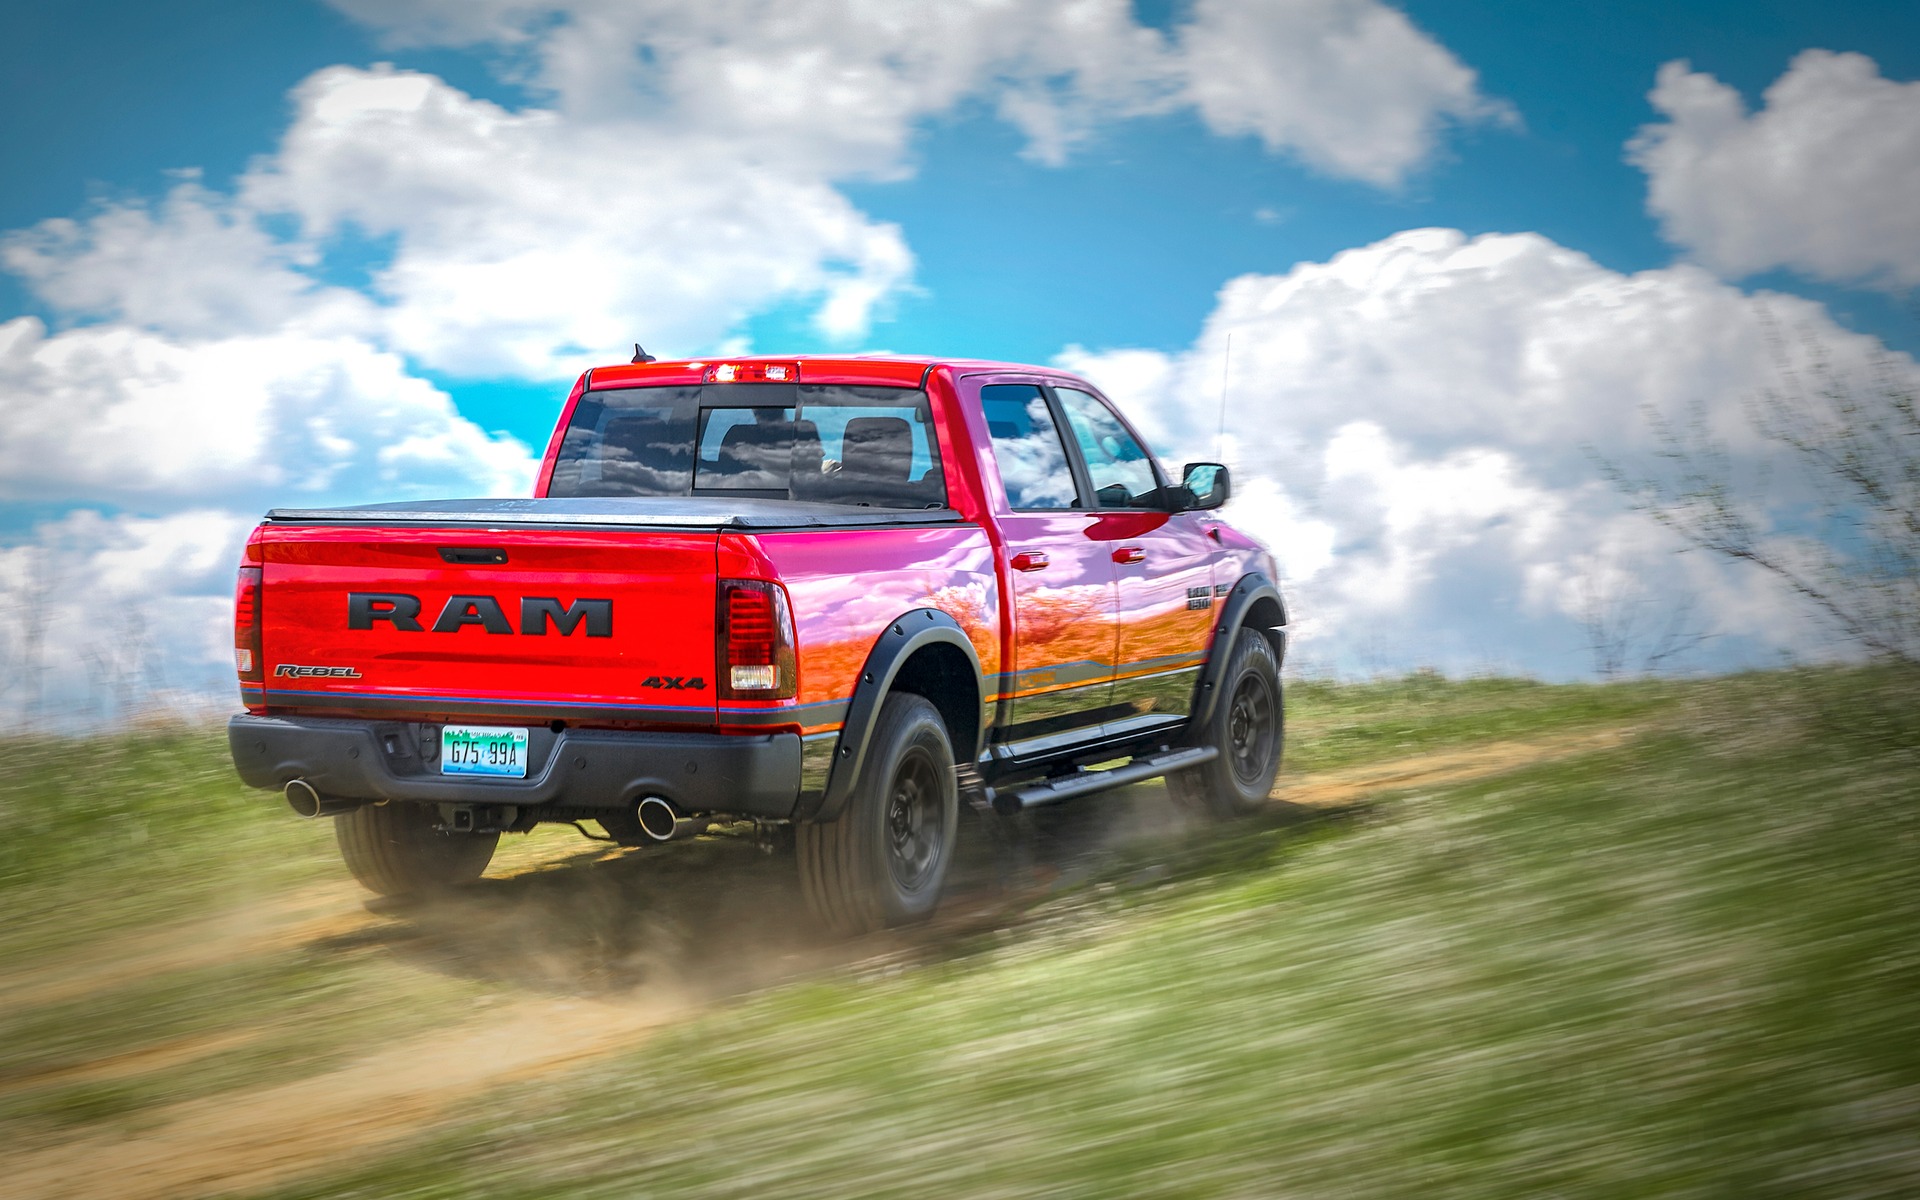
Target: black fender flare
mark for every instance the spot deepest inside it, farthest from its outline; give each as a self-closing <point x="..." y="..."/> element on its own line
<point x="904" y="636"/>
<point x="1251" y="589"/>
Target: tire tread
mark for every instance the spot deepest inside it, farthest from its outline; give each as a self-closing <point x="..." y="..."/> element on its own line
<point x="840" y="872"/>
<point x="1210" y="788"/>
<point x="394" y="850"/>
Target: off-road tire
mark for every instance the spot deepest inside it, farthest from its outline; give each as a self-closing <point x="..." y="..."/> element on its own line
<point x="395" y="850"/>
<point x="883" y="861"/>
<point x="1248" y="725"/>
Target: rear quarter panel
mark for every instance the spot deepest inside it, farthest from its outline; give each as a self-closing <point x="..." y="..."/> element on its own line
<point x="848" y="586"/>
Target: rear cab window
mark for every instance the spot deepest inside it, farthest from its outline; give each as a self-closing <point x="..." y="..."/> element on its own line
<point x="832" y="444"/>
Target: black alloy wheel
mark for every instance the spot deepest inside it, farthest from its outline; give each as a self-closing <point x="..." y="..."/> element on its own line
<point x="916" y="832"/>
<point x="1248" y="727"/>
<point x="1252" y="731"/>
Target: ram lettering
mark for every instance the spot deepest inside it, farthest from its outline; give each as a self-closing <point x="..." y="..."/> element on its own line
<point x="537" y="614"/>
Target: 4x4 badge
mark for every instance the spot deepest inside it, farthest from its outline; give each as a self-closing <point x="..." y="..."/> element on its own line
<point x="675" y="683"/>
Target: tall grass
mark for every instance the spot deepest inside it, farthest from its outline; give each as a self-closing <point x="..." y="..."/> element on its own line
<point x="1335" y="724"/>
<point x="1686" y="966"/>
<point x="141" y="826"/>
<point x="1683" y="968"/>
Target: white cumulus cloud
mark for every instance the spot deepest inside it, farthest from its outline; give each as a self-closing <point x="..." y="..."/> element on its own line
<point x="115" y="414"/>
<point x="1429" y="408"/>
<point x="531" y="245"/>
<point x="109" y="616"/>
<point x="195" y="264"/>
<point x="1350" y="86"/>
<point x="680" y="170"/>
<point x="168" y="450"/>
<point x="1353" y="88"/>
<point x="1824" y="179"/>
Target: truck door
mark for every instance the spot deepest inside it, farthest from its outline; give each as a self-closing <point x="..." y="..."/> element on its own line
<point x="1059" y="678"/>
<point x="1164" y="569"/>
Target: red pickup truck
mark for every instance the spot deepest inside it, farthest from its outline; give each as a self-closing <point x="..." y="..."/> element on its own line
<point x="841" y="594"/>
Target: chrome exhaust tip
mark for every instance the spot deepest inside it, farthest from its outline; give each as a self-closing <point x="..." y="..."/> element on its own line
<point x="661" y="821"/>
<point x="306" y="801"/>
<point x="303" y="798"/>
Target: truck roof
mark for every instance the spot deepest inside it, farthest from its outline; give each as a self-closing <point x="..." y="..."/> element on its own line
<point x="878" y="370"/>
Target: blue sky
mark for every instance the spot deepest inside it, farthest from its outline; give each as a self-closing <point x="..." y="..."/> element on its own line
<point x="1073" y="188"/>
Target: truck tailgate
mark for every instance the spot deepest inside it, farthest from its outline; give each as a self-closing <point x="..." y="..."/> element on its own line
<point x="604" y="624"/>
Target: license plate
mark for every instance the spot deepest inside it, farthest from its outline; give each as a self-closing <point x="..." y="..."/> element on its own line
<point x="483" y="750"/>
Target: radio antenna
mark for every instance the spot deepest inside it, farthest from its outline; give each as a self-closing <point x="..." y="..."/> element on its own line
<point x="1220" y="438"/>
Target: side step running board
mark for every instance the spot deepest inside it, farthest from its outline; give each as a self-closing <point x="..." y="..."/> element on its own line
<point x="1086" y="783"/>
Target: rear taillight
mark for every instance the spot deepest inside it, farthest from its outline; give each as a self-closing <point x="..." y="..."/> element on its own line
<point x="755" y="642"/>
<point x="246" y="626"/>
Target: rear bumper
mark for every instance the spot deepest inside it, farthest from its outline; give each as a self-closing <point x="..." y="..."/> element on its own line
<point x="751" y="775"/>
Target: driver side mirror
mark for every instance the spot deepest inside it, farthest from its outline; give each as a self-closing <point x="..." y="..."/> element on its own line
<point x="1207" y="485"/>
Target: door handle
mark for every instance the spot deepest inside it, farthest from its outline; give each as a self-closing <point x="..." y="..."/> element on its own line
<point x="1030" y="560"/>
<point x="1129" y="554"/>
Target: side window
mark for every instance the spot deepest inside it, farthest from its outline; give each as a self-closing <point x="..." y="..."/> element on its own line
<point x="1122" y="473"/>
<point x="1027" y="445"/>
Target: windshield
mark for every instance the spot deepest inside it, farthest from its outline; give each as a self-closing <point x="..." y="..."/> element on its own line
<point x="832" y="444"/>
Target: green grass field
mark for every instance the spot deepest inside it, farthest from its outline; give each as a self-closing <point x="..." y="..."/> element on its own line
<point x="1687" y="964"/>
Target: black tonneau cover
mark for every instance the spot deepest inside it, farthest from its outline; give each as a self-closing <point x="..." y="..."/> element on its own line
<point x="675" y="512"/>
